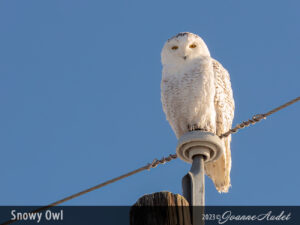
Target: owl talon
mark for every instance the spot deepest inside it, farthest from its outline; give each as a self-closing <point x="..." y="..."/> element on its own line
<point x="196" y="127"/>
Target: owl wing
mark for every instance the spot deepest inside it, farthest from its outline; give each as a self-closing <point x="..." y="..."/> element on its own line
<point x="219" y="171"/>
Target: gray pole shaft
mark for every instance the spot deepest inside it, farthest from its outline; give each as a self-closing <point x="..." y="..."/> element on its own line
<point x="198" y="197"/>
<point x="193" y="185"/>
<point x="197" y="147"/>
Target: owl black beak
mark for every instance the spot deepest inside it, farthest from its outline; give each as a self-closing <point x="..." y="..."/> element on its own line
<point x="184" y="57"/>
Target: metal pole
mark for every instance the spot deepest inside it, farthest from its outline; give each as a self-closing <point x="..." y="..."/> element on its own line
<point x="198" y="197"/>
<point x="197" y="147"/>
<point x="193" y="185"/>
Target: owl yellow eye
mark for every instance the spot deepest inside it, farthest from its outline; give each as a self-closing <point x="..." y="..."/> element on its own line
<point x="174" y="47"/>
<point x="193" y="46"/>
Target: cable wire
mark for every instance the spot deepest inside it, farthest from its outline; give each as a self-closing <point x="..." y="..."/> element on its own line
<point x="149" y="166"/>
<point x="258" y="117"/>
<point x="156" y="162"/>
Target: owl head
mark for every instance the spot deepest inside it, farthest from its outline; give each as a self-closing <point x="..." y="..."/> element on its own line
<point x="183" y="48"/>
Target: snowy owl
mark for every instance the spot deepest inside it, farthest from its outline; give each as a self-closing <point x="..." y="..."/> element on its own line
<point x="196" y="94"/>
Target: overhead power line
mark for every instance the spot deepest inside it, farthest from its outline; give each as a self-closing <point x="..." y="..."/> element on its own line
<point x="255" y="119"/>
<point x="258" y="117"/>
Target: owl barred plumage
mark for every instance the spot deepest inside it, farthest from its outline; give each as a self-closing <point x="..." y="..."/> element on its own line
<point x="196" y="94"/>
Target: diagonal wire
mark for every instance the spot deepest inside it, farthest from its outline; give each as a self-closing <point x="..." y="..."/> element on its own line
<point x="156" y="162"/>
<point x="258" y="118"/>
<point x="149" y="166"/>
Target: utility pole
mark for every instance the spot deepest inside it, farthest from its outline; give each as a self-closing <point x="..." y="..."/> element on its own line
<point x="195" y="147"/>
<point x="161" y="208"/>
<point x="198" y="148"/>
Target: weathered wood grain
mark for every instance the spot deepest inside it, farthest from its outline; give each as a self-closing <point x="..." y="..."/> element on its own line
<point x="161" y="208"/>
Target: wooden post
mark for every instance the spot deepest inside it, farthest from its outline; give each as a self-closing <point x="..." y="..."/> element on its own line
<point x="161" y="208"/>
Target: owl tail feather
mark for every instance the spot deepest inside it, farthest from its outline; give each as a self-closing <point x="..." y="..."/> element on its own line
<point x="219" y="171"/>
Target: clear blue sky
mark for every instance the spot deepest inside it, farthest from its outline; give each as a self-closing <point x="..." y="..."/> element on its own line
<point x="80" y="98"/>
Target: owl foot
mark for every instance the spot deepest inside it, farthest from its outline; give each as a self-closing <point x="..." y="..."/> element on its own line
<point x="196" y="127"/>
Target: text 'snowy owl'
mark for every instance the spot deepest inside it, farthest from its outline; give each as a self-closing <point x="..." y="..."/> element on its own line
<point x="196" y="94"/>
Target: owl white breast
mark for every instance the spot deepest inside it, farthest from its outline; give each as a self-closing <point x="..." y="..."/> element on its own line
<point x="196" y="95"/>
